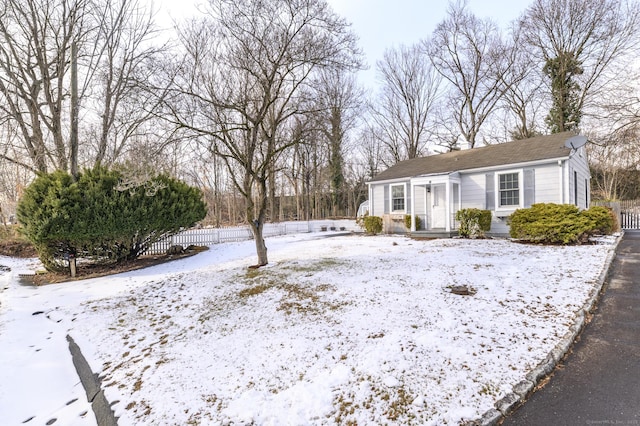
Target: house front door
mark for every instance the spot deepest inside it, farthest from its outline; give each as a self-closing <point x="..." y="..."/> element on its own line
<point x="438" y="207"/>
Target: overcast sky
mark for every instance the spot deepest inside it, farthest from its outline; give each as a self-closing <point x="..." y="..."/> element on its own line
<point x="382" y="24"/>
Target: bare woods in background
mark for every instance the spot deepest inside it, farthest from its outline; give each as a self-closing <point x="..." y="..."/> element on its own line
<point x="259" y="103"/>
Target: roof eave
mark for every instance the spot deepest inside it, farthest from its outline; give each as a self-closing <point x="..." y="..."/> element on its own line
<point x="476" y="169"/>
<point x="516" y="165"/>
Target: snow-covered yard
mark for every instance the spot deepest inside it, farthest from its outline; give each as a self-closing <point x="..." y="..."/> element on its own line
<point x="341" y="330"/>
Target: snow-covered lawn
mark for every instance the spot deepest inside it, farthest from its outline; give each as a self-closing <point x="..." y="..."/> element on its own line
<point x="341" y="330"/>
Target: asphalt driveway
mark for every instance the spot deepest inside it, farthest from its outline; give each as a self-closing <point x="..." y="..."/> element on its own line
<point x="598" y="383"/>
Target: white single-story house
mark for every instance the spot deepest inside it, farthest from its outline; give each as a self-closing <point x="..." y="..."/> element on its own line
<point x="500" y="178"/>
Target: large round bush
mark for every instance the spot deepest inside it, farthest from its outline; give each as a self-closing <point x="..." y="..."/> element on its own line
<point x="94" y="218"/>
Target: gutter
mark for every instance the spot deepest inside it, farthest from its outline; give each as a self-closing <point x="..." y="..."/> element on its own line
<point x="474" y="170"/>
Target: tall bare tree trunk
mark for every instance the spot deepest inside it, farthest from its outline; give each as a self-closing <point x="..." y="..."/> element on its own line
<point x="73" y="139"/>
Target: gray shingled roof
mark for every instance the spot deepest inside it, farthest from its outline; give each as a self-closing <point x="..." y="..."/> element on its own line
<point x="523" y="151"/>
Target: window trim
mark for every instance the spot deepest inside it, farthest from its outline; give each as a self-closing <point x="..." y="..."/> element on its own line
<point x="404" y="198"/>
<point x="498" y="205"/>
<point x="586" y="193"/>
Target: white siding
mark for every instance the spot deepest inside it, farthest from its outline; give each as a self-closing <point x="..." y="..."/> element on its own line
<point x="547" y="183"/>
<point x="473" y="191"/>
<point x="547" y="190"/>
<point x="419" y="201"/>
<point x="378" y="193"/>
<point x="474" y="196"/>
<point x="377" y="204"/>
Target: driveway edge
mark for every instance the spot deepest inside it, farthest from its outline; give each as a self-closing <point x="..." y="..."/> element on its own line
<point x="509" y="402"/>
<point x="91" y="383"/>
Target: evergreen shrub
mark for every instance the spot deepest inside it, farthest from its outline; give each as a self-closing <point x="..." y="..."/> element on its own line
<point x="94" y="218"/>
<point x="473" y="223"/>
<point x="407" y="221"/>
<point x="373" y="224"/>
<point x="549" y="223"/>
<point x="603" y="219"/>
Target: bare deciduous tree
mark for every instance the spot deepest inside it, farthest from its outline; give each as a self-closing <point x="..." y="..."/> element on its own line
<point x="35" y="49"/>
<point x="114" y="54"/>
<point x="613" y="156"/>
<point x="15" y="173"/>
<point x="371" y="152"/>
<point x="403" y="110"/>
<point x="587" y="42"/>
<point x="524" y="98"/>
<point x="470" y="54"/>
<point x="241" y="79"/>
<point x="338" y="99"/>
<point x="121" y="61"/>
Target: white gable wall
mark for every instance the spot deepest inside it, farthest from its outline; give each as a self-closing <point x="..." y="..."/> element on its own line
<point x="578" y="178"/>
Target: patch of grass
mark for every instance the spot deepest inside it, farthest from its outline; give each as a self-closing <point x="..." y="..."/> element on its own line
<point x="204" y="417"/>
<point x="255" y="290"/>
<point x="315" y="266"/>
<point x="252" y="273"/>
<point x="307" y="300"/>
<point x="298" y="297"/>
<point x="399" y="406"/>
<point x="489" y="389"/>
<point x="345" y="408"/>
<point x="396" y="404"/>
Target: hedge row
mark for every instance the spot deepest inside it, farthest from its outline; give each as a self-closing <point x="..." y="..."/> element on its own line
<point x="548" y="223"/>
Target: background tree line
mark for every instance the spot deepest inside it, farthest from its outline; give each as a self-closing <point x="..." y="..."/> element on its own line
<point x="259" y="103"/>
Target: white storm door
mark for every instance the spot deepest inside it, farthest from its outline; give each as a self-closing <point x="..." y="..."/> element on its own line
<point x="438" y="207"/>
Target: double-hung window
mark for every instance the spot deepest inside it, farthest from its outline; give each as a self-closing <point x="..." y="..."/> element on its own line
<point x="397" y="198"/>
<point x="509" y="189"/>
